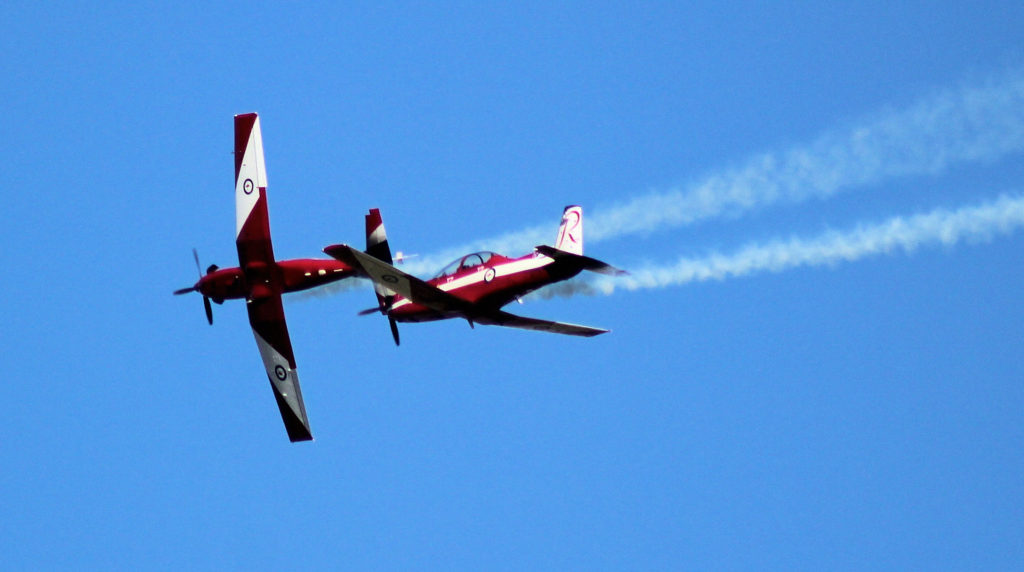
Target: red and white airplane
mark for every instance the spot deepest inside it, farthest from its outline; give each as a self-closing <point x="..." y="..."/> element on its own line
<point x="477" y="285"/>
<point x="260" y="280"/>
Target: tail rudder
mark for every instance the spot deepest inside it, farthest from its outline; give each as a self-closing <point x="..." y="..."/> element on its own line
<point x="568" y="249"/>
<point x="377" y="237"/>
<point x="570" y="233"/>
<point x="377" y="247"/>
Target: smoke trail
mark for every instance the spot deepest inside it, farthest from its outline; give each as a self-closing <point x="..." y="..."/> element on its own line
<point x="967" y="125"/>
<point x="900" y="234"/>
<point x="327" y="290"/>
<point x="974" y="123"/>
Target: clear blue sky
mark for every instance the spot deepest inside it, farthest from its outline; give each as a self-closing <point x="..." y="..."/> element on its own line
<point x="816" y="363"/>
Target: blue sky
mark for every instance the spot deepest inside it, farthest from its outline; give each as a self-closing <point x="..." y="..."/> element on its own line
<point x="816" y="361"/>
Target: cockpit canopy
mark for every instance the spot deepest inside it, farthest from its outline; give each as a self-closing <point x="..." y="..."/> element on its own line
<point x="468" y="261"/>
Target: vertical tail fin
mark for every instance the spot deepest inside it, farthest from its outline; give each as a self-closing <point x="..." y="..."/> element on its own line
<point x="570" y="233"/>
<point x="376" y="237"/>
<point x="377" y="247"/>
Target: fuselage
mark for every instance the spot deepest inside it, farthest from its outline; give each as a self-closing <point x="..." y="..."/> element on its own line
<point x="487" y="279"/>
<point x="280" y="277"/>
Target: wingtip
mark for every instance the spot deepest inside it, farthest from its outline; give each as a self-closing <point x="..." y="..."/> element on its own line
<point x="336" y="249"/>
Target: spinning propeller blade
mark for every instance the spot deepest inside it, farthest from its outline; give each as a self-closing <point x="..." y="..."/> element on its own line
<point x="206" y="300"/>
<point x="385" y="308"/>
<point x="209" y="310"/>
<point x="394" y="330"/>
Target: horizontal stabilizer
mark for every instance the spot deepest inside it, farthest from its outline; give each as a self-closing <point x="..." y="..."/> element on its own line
<point x="583" y="262"/>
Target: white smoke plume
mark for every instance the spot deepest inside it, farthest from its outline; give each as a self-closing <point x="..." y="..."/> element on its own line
<point x="974" y="123"/>
<point x="976" y="223"/>
<point x="979" y="123"/>
<point x="333" y="288"/>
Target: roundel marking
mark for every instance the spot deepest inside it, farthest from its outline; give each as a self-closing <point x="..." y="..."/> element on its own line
<point x="489" y="275"/>
<point x="247" y="186"/>
<point x="280" y="373"/>
<point x="390" y="278"/>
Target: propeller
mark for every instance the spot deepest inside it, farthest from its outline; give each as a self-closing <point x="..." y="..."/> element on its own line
<point x="394" y="329"/>
<point x="385" y="308"/>
<point x="209" y="310"/>
<point x="206" y="300"/>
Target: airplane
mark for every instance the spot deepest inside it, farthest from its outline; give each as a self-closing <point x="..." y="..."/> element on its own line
<point x="475" y="286"/>
<point x="260" y="280"/>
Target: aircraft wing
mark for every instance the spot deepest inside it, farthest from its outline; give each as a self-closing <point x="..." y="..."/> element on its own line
<point x="252" y="222"/>
<point x="256" y="258"/>
<point x="406" y="285"/>
<point x="501" y="318"/>
<point x="418" y="291"/>
<point x="266" y="316"/>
